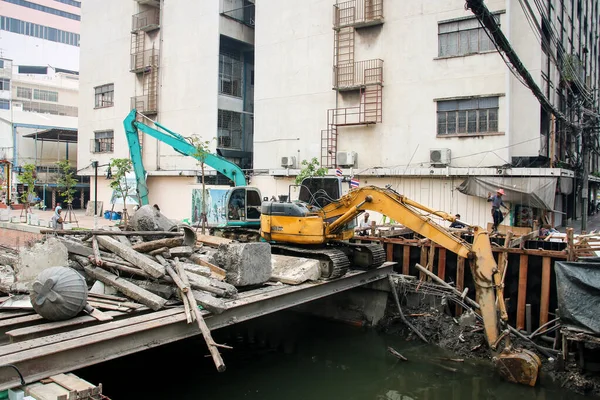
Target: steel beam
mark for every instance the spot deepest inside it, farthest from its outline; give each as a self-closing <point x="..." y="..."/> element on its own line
<point x="69" y="355"/>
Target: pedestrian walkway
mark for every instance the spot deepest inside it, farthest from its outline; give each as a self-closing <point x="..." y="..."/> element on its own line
<point x="593" y="224"/>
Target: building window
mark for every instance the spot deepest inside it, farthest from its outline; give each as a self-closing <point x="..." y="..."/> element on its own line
<point x="460" y="38"/>
<point x="469" y="116"/>
<point x="230" y="130"/>
<point x="230" y="75"/>
<point x="23" y="93"/>
<point x="48" y="10"/>
<point x="4" y="104"/>
<point x="45" y="95"/>
<point x="4" y="84"/>
<point x="103" y="142"/>
<point x="1" y="63"/>
<point x="70" y="2"/>
<point x="104" y="95"/>
<point x="39" y="31"/>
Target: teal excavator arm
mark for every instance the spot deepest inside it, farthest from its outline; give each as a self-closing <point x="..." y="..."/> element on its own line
<point x="180" y="144"/>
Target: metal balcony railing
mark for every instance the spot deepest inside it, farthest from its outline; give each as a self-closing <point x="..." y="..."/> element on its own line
<point x="145" y="104"/>
<point x="358" y="13"/>
<point x="146" y="21"/>
<point x="143" y="60"/>
<point x="358" y="74"/>
<point x="243" y="15"/>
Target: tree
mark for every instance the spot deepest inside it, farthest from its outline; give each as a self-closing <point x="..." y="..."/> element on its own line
<point x="121" y="167"/>
<point x="310" y="169"/>
<point x="27" y="178"/>
<point x="66" y="182"/>
<point x="202" y="151"/>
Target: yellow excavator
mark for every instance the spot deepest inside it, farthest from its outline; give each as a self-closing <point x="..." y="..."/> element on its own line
<point x="320" y="228"/>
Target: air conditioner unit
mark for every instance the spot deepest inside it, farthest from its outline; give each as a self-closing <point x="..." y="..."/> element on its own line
<point x="346" y="158"/>
<point x="288" y="162"/>
<point x="439" y="157"/>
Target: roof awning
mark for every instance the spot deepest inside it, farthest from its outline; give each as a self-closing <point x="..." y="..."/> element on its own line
<point x="55" y="135"/>
<point x="536" y="192"/>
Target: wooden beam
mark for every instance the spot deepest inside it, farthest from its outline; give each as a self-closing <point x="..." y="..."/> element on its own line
<point x="518" y="242"/>
<point x="522" y="294"/>
<point x="212" y="241"/>
<point x="423" y="260"/>
<point x="442" y="264"/>
<point x="389" y="251"/>
<point x="127" y="288"/>
<point x="145" y="247"/>
<point x="460" y="280"/>
<point x="545" y="295"/>
<point x="112" y="233"/>
<point x="571" y="256"/>
<point x="405" y="259"/>
<point x="153" y="268"/>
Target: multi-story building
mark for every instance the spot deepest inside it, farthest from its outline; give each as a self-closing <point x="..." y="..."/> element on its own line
<point x="422" y="100"/>
<point x="186" y="64"/>
<point x="39" y="60"/>
<point x="408" y="94"/>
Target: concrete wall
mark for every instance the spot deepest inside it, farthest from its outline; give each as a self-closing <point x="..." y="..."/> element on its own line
<point x="294" y="55"/>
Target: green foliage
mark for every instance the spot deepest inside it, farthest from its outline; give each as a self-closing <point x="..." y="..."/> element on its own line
<point x="202" y="148"/>
<point x="310" y="169"/>
<point x="27" y="178"/>
<point x="66" y="182"/>
<point x="571" y="68"/>
<point x="121" y="167"/>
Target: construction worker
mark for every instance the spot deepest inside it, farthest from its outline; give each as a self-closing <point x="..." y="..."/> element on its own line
<point x="496" y="204"/>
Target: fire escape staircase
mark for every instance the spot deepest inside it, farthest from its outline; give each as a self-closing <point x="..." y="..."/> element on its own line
<point x="349" y="75"/>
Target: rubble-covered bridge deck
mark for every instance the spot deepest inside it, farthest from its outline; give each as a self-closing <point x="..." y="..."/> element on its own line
<point x="38" y="348"/>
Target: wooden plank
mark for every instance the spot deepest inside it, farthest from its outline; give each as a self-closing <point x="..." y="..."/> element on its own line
<point x="442" y="264"/>
<point x="91" y="330"/>
<point x="46" y="392"/>
<point x="219" y="272"/>
<point x="460" y="280"/>
<point x="145" y="247"/>
<point x="571" y="256"/>
<point x="111" y="233"/>
<point x="107" y="306"/>
<point x="25" y="332"/>
<point x="212" y="241"/>
<point x="518" y="242"/>
<point x="139" y="260"/>
<point x="389" y="251"/>
<point x="72" y="382"/>
<point x="9" y="314"/>
<point x="545" y="295"/>
<point x="503" y="229"/>
<point x="522" y="294"/>
<point x="405" y="259"/>
<point x="423" y="261"/>
<point x="107" y="297"/>
<point x="127" y="288"/>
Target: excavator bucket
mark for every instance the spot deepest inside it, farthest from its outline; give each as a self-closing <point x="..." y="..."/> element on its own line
<point x="518" y="366"/>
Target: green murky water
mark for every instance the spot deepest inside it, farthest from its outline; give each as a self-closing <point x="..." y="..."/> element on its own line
<point x="293" y="357"/>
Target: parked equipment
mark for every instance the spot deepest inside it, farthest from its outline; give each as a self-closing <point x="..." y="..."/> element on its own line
<point x="242" y="204"/>
<point x="320" y="229"/>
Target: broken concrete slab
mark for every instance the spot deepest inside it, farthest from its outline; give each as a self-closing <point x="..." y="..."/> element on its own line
<point x="196" y="269"/>
<point x="294" y="270"/>
<point x="245" y="263"/>
<point x="181" y="251"/>
<point x="147" y="218"/>
<point x="42" y="255"/>
<point x="164" y="291"/>
<point x="214" y="286"/>
<point x="8" y="259"/>
<point x="211" y="303"/>
<point x="8" y="281"/>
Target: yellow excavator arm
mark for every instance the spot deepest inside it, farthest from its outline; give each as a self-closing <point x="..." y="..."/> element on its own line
<point x="483" y="266"/>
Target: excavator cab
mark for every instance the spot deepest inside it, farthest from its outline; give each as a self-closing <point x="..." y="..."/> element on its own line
<point x="320" y="191"/>
<point x="243" y="206"/>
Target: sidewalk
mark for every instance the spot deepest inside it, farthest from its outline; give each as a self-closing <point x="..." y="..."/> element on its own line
<point x="593" y="224"/>
<point x="83" y="221"/>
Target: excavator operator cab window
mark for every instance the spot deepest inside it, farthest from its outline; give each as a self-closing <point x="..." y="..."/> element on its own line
<point x="244" y="204"/>
<point x="321" y="190"/>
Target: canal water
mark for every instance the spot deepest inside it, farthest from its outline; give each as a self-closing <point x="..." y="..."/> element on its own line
<point x="294" y="357"/>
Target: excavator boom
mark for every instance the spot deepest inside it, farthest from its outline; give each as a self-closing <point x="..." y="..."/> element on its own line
<point x="180" y="144"/>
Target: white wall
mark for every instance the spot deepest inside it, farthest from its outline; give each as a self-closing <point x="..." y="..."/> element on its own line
<point x="294" y="54"/>
<point x="28" y="50"/>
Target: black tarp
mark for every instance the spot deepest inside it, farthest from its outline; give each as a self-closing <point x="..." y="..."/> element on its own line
<point x="578" y="289"/>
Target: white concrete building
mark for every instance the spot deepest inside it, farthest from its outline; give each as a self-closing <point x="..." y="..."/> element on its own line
<point x="421" y="100"/>
<point x="39" y="60"/>
<point x="194" y="77"/>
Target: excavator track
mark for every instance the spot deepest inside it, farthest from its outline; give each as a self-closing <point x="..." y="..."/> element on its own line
<point x="364" y="256"/>
<point x="334" y="262"/>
